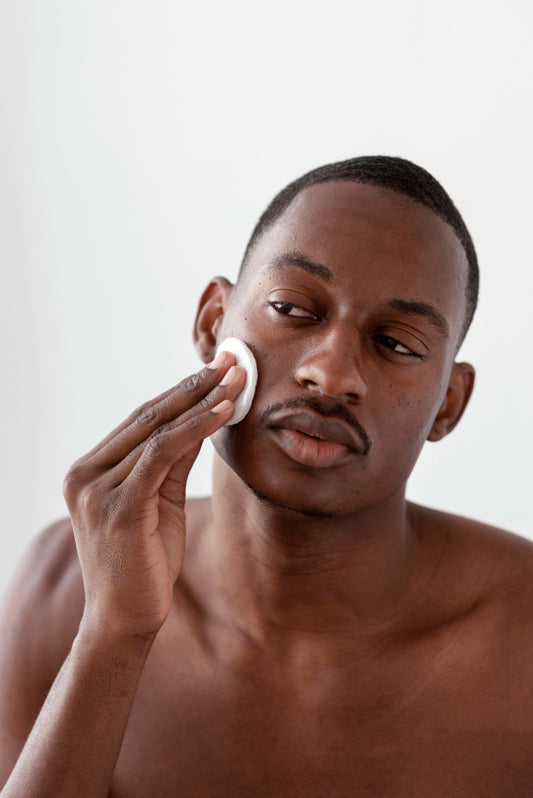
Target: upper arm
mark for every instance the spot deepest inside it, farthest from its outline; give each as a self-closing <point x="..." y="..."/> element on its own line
<point x="39" y="618"/>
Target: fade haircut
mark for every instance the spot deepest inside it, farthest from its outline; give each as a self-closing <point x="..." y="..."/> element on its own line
<point x="395" y="174"/>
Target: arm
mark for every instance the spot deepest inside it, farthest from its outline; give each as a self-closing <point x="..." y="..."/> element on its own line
<point x="74" y="744"/>
<point x="126" y="500"/>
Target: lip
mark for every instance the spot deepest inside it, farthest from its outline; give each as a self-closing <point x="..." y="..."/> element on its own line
<point x="315" y="440"/>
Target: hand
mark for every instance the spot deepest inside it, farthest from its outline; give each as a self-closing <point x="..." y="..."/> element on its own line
<point x="126" y="500"/>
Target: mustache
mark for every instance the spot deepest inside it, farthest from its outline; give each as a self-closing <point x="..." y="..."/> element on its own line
<point x="323" y="408"/>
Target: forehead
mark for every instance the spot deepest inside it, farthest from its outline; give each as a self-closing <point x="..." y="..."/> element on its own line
<point x="374" y="241"/>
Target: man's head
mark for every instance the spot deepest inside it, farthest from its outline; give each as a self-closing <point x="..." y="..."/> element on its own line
<point x="353" y="299"/>
<point x="394" y="174"/>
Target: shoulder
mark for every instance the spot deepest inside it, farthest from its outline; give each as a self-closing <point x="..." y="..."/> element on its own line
<point x="48" y="561"/>
<point x="39" y="618"/>
<point x="42" y="606"/>
<point x="488" y="566"/>
<point x="501" y="551"/>
<point x="483" y="589"/>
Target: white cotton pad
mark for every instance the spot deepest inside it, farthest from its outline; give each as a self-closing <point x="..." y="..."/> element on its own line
<point x="245" y="359"/>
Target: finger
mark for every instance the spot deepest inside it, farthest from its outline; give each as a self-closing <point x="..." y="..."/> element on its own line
<point x="230" y="387"/>
<point x="153" y="414"/>
<point x="163" y="450"/>
<point x="173" y="488"/>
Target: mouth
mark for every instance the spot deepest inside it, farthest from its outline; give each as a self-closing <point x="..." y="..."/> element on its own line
<point x="314" y="440"/>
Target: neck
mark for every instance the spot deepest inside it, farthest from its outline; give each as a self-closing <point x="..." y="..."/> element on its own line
<point x="282" y="575"/>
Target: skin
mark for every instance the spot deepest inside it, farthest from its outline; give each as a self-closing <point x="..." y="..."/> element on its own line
<point x="305" y="631"/>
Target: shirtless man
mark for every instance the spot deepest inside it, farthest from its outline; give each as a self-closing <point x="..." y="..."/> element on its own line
<point x="305" y="632"/>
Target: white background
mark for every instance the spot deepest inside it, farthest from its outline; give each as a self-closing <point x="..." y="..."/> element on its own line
<point x="139" y="142"/>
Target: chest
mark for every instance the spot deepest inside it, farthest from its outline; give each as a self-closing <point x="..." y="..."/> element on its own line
<point x="199" y="733"/>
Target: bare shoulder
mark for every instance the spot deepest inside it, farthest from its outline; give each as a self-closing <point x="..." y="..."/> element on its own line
<point x="46" y="585"/>
<point x="505" y="554"/>
<point x="39" y="618"/>
<point x="494" y="566"/>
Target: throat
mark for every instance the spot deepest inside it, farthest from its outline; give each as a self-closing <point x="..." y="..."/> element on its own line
<point x="283" y="572"/>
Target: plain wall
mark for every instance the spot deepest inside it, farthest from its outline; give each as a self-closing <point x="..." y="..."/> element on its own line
<point x="139" y="143"/>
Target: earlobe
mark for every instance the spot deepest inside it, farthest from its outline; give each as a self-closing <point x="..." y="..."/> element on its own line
<point x="210" y="313"/>
<point x="452" y="408"/>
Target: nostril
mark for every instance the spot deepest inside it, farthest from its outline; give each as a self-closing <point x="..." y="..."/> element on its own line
<point x="332" y="373"/>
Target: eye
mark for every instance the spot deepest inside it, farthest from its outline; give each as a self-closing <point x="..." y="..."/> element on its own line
<point x="290" y="309"/>
<point x="396" y="346"/>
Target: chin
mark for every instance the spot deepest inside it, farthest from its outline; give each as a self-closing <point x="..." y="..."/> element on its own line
<point x="285" y="486"/>
<point x="275" y="503"/>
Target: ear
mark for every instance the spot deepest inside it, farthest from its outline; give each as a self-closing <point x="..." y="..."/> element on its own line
<point x="459" y="391"/>
<point x="213" y="303"/>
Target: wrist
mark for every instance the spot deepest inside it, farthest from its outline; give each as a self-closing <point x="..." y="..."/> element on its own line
<point x="98" y="635"/>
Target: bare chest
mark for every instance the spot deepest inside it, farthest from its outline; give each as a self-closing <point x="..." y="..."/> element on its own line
<point x="199" y="734"/>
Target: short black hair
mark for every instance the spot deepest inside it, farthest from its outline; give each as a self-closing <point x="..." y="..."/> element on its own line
<point x="395" y="174"/>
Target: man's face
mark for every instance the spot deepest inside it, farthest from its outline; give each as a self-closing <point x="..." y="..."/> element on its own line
<point x="353" y="303"/>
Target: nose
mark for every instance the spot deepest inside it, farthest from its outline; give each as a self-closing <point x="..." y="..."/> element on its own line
<point x="332" y="367"/>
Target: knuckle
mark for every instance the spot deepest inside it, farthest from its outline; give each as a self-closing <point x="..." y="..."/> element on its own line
<point x="146" y="414"/>
<point x="191" y="384"/>
<point x="209" y="400"/>
<point x="160" y="431"/>
<point x="83" y="491"/>
<point x="73" y="479"/>
<point x="156" y="444"/>
<point x="86" y="501"/>
<point x="193" y="422"/>
<point x="67" y="485"/>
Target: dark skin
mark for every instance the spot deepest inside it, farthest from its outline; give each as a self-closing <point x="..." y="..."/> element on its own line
<point x="306" y="631"/>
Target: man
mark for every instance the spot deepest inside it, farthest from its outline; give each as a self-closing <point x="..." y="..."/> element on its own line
<point x="305" y="631"/>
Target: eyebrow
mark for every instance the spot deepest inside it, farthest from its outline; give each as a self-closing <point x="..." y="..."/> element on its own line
<point x="295" y="259"/>
<point x="424" y="310"/>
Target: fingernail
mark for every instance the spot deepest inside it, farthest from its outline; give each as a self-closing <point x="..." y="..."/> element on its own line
<point x="222" y="407"/>
<point x="230" y="376"/>
<point x="218" y="361"/>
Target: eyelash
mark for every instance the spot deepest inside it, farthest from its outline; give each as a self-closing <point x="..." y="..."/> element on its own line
<point x="278" y="305"/>
<point x="379" y="338"/>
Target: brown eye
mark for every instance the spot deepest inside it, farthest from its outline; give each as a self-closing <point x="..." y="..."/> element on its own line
<point x="290" y="309"/>
<point x="395" y="346"/>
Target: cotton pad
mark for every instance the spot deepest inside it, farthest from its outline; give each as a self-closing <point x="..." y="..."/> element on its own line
<point x="245" y="359"/>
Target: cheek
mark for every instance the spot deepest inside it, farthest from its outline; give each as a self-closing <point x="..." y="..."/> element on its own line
<point x="415" y="417"/>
